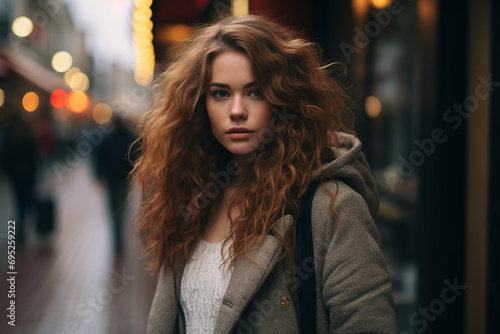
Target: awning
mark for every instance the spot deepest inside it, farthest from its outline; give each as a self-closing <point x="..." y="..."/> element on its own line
<point x="22" y="64"/>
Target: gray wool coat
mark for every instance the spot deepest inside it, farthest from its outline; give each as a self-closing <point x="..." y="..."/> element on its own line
<point x="352" y="281"/>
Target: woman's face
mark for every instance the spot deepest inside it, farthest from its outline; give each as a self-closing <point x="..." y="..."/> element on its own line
<point x="237" y="110"/>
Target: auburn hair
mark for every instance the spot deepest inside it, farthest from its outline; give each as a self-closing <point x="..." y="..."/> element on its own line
<point x="180" y="159"/>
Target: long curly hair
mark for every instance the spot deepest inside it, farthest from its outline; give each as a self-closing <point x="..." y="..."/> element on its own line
<point x="183" y="170"/>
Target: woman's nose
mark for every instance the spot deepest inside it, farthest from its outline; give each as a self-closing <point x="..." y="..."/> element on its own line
<point x="238" y="110"/>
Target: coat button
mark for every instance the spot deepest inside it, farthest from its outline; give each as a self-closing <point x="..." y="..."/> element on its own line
<point x="285" y="302"/>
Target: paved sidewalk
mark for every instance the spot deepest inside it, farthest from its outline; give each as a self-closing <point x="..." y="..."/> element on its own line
<point x="73" y="282"/>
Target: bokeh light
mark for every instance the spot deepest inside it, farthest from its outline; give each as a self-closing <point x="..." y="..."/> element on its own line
<point x="239" y="7"/>
<point x="22" y="26"/>
<point x="379" y="4"/>
<point x="69" y="74"/>
<point x="79" y="82"/>
<point x="102" y="113"/>
<point x="30" y="101"/>
<point x="143" y="43"/>
<point x="360" y="8"/>
<point x="62" y="61"/>
<point x="373" y="106"/>
<point x="77" y="102"/>
<point x="2" y="97"/>
<point x="58" y="98"/>
<point x="174" y="33"/>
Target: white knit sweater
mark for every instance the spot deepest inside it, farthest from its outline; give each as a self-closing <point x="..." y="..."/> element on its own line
<point x="203" y="286"/>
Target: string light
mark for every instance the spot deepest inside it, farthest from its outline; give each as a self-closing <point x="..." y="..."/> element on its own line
<point x="143" y="42"/>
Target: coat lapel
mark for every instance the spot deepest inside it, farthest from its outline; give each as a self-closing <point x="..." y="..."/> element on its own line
<point x="248" y="276"/>
<point x="164" y="309"/>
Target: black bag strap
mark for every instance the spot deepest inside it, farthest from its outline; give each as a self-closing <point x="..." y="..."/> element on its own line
<point x="305" y="254"/>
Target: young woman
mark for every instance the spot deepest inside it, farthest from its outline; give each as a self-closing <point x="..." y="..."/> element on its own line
<point x="245" y="118"/>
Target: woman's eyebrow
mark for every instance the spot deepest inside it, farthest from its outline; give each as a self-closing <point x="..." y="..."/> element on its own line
<point x="222" y="85"/>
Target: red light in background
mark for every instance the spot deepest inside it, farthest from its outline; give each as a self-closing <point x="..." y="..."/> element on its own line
<point x="58" y="98"/>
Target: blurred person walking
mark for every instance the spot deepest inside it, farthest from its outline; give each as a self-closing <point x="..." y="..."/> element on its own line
<point x="113" y="166"/>
<point x="19" y="164"/>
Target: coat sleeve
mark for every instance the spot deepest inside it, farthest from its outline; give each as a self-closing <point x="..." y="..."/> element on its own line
<point x="356" y="287"/>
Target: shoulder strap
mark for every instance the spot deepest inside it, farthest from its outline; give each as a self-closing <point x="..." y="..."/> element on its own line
<point x="305" y="254"/>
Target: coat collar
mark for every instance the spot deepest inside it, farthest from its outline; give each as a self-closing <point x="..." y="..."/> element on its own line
<point x="246" y="279"/>
<point x="248" y="276"/>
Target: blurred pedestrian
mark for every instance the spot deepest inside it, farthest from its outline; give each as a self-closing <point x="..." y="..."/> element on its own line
<point x="113" y="167"/>
<point x="19" y="163"/>
<point x="46" y="138"/>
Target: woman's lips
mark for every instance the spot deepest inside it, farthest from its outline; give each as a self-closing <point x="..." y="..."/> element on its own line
<point x="240" y="133"/>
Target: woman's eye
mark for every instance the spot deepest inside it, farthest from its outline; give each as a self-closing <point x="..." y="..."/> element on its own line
<point x="255" y="93"/>
<point x="219" y="94"/>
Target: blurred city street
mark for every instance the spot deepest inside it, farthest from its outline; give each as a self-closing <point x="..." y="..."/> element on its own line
<point x="73" y="282"/>
<point x="77" y="76"/>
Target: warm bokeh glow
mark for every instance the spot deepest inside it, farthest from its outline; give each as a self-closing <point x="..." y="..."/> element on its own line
<point x="373" y="106"/>
<point x="2" y="97"/>
<point x="174" y="33"/>
<point x="360" y="9"/>
<point x="30" y="101"/>
<point x="62" y="61"/>
<point x="69" y="74"/>
<point x="143" y="42"/>
<point x="427" y="11"/>
<point x="22" y="26"/>
<point x="77" y="102"/>
<point x="102" y="113"/>
<point x="79" y="82"/>
<point x="58" y="98"/>
<point x="379" y="4"/>
<point x="142" y="12"/>
<point x="239" y="7"/>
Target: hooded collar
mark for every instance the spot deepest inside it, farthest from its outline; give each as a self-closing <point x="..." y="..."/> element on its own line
<point x="349" y="165"/>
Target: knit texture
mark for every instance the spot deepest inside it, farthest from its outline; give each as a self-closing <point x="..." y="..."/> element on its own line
<point x="203" y="286"/>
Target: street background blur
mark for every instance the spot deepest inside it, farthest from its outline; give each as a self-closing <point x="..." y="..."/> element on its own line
<point x="75" y="75"/>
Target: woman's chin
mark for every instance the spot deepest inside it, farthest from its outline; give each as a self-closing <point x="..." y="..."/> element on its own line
<point x="241" y="151"/>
